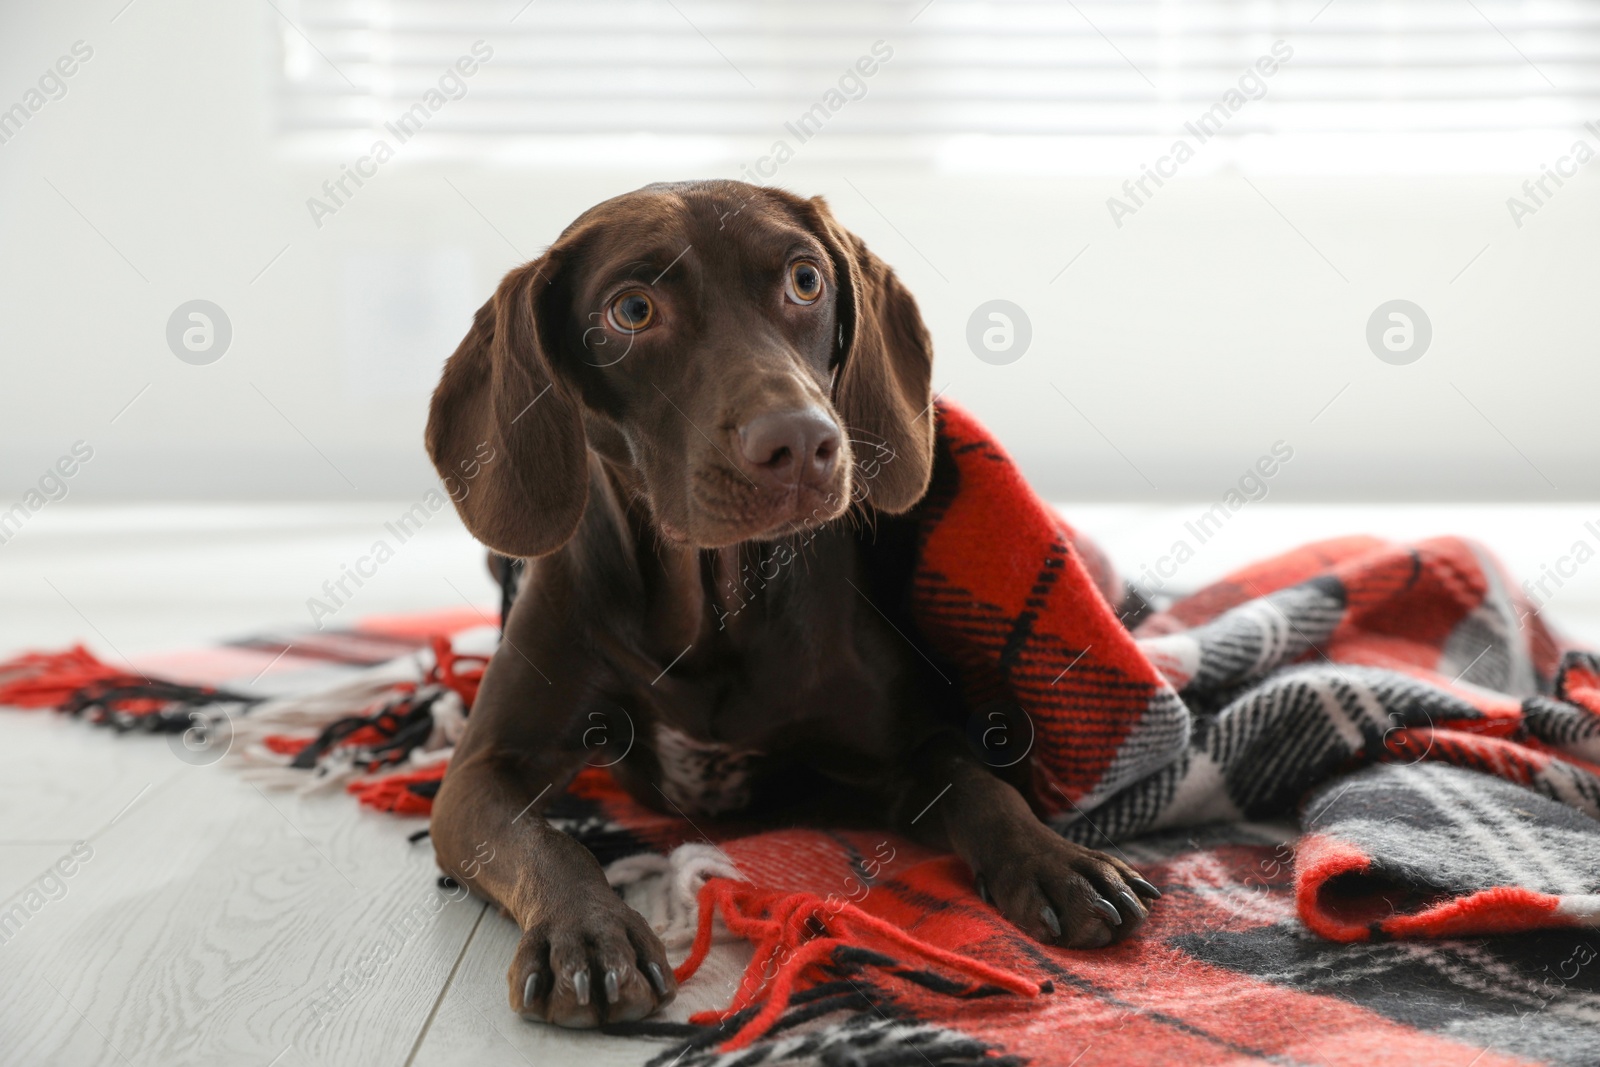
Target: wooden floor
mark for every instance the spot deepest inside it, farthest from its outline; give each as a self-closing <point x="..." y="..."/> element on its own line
<point x="212" y="923"/>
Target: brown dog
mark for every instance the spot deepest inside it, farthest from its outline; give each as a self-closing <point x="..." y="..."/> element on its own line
<point x="695" y="380"/>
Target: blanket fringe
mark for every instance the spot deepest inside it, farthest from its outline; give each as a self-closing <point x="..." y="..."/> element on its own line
<point x="792" y="932"/>
<point x="404" y="716"/>
<point x="77" y="682"/>
<point x="666" y="889"/>
<point x="405" y="793"/>
<point x="49" y="679"/>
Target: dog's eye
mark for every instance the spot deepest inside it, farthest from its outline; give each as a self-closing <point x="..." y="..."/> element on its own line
<point x="632" y="312"/>
<point x="805" y="282"/>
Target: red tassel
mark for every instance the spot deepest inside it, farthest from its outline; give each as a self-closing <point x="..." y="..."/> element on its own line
<point x="459" y="671"/>
<point x="50" y="679"/>
<point x="392" y="792"/>
<point x="783" y="927"/>
<point x="286" y="744"/>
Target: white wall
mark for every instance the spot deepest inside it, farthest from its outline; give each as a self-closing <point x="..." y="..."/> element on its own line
<point x="1191" y="339"/>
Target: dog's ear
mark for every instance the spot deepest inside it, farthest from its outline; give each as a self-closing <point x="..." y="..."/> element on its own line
<point x="505" y="432"/>
<point x="882" y="371"/>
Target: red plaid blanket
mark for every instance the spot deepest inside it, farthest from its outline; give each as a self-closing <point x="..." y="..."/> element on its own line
<point x="1403" y="703"/>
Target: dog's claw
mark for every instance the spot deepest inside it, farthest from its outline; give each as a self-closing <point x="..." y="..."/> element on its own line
<point x="580" y="986"/>
<point x="594" y="963"/>
<point x="1107" y="910"/>
<point x="1051" y="920"/>
<point x="1144" y="888"/>
<point x="982" y="887"/>
<point x="1129" y="901"/>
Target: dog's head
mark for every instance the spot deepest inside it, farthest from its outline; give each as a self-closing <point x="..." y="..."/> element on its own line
<point x="745" y="363"/>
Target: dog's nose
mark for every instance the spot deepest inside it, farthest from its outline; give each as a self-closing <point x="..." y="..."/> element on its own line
<point x="781" y="449"/>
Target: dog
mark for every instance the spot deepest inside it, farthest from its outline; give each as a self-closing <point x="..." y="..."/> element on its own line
<point x="695" y="379"/>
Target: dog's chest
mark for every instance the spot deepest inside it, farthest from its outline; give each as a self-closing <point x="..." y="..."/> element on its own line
<point x="704" y="777"/>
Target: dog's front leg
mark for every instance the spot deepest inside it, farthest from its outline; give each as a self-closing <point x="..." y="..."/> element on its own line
<point x="585" y="958"/>
<point x="1052" y="889"/>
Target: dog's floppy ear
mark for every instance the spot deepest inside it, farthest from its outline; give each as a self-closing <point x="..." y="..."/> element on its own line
<point x="884" y="370"/>
<point x="504" y="430"/>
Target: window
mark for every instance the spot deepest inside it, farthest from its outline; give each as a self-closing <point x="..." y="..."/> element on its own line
<point x="1008" y="85"/>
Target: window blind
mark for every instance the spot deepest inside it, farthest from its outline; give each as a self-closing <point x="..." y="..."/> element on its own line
<point x="996" y="84"/>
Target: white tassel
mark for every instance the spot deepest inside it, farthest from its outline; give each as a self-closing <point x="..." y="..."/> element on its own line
<point x="449" y="721"/>
<point x="307" y="714"/>
<point x="666" y="889"/>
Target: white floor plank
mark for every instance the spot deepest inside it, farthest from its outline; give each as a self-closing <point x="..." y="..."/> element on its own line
<point x="24" y="864"/>
<point x="213" y="924"/>
<point x="60" y="779"/>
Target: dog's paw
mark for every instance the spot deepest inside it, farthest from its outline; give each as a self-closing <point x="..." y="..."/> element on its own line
<point x="594" y="962"/>
<point x="1064" y="894"/>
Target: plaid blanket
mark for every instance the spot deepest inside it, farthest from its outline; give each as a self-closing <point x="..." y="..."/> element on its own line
<point x="1404" y="703"/>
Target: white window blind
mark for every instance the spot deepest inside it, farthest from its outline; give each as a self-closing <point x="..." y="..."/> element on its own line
<point x="1005" y="84"/>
